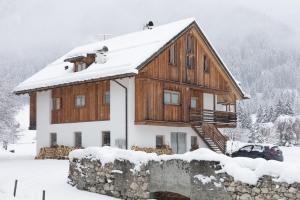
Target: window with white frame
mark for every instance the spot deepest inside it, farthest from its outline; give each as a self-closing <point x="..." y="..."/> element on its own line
<point x="171" y="97"/>
<point x="79" y="101"/>
<point x="81" y="66"/>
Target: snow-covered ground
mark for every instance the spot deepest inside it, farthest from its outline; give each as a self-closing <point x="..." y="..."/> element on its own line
<point x="34" y="176"/>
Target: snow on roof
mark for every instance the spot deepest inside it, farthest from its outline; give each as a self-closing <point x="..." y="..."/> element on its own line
<point x="125" y="54"/>
<point x="246" y="170"/>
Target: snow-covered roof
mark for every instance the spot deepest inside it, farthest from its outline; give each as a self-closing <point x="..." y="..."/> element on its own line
<point x="126" y="53"/>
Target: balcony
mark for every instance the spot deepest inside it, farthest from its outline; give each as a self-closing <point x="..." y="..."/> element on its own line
<point x="220" y="118"/>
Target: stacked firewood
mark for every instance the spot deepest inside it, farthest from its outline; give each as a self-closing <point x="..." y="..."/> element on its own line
<point x="165" y="149"/>
<point x="57" y="152"/>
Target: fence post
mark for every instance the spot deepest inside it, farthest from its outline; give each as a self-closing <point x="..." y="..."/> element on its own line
<point x="44" y="194"/>
<point x="15" y="188"/>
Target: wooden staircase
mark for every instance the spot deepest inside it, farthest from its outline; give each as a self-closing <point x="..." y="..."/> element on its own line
<point x="211" y="136"/>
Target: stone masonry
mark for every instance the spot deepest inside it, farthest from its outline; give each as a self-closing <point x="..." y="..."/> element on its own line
<point x="120" y="179"/>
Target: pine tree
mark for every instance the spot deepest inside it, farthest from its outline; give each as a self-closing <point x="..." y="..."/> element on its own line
<point x="260" y="114"/>
<point x="288" y="110"/>
<point x="254" y="134"/>
<point x="279" y="107"/>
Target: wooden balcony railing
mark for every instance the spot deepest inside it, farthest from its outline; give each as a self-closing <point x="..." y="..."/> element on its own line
<point x="211" y="116"/>
<point x="210" y="131"/>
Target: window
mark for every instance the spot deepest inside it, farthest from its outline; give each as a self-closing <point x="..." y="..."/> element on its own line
<point x="80" y="101"/>
<point x="78" y="139"/>
<point x="171" y="97"/>
<point x="81" y="66"/>
<point x="194" y="143"/>
<point x="190" y="44"/>
<point x="107" y="97"/>
<point x="190" y="51"/>
<point x="193" y="102"/>
<point x="247" y="148"/>
<point x="53" y="140"/>
<point x="105" y="138"/>
<point x="56" y="103"/>
<point x="159" y="141"/>
<point x="172" y="55"/>
<point x="258" y="148"/>
<point x="205" y="64"/>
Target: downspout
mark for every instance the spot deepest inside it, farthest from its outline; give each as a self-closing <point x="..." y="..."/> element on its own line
<point x="126" y="112"/>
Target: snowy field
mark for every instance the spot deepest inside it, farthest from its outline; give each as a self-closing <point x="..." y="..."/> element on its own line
<point x="34" y="176"/>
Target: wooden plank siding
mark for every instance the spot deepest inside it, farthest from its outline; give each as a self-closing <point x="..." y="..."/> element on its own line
<point x="32" y="112"/>
<point x="159" y="75"/>
<point x="95" y="108"/>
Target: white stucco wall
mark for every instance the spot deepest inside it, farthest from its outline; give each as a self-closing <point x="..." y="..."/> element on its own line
<point x="141" y="135"/>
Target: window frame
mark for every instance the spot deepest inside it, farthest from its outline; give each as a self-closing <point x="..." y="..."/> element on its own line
<point x="82" y="101"/>
<point x="77" y="133"/>
<point x="104" y="137"/>
<point x="106" y="97"/>
<point x="190" y="51"/>
<point x="193" y="139"/>
<point x="56" y="103"/>
<point x="171" y="93"/>
<point x="81" y="66"/>
<point x="172" y="55"/>
<point x="160" y="138"/>
<point x="53" y="135"/>
<point x="196" y="99"/>
<point x="206" y="65"/>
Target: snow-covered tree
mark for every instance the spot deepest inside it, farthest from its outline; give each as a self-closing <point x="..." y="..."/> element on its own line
<point x="284" y="125"/>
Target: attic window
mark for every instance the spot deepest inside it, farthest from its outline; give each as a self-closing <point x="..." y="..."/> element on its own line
<point x="172" y="55"/>
<point x="190" y="50"/>
<point x="205" y="64"/>
<point x="81" y="66"/>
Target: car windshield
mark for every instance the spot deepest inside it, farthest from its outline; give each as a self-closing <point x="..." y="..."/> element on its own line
<point x="247" y="148"/>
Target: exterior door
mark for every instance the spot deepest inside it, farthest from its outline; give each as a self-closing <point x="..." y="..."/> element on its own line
<point x="178" y="143"/>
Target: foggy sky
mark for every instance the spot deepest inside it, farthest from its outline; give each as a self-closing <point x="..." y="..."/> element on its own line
<point x="33" y="28"/>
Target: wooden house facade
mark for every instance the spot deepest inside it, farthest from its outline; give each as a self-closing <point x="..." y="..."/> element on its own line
<point x="184" y="84"/>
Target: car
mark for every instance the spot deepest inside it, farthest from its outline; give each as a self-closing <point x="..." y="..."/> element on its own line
<point x="259" y="151"/>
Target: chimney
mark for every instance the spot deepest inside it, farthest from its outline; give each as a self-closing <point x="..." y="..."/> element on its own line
<point x="101" y="56"/>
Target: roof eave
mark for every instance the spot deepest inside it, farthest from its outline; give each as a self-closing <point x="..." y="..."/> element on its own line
<point x="126" y="75"/>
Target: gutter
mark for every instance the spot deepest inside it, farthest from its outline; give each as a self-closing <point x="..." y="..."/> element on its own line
<point x="126" y="112"/>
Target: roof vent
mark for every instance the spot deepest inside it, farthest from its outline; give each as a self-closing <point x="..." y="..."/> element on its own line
<point x="101" y="56"/>
<point x="149" y="25"/>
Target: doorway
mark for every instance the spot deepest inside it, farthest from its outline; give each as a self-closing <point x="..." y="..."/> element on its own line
<point x="178" y="142"/>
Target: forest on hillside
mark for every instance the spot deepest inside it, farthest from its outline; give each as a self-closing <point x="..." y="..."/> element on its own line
<point x="261" y="51"/>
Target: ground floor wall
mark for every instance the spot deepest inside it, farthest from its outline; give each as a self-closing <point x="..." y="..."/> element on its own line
<point x="92" y="132"/>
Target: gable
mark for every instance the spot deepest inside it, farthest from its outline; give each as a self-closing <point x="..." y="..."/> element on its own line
<point x="218" y="78"/>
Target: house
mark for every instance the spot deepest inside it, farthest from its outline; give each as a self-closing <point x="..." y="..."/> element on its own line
<point x="164" y="85"/>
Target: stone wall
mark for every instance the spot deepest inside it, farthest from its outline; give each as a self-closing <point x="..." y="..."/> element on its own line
<point x="195" y="180"/>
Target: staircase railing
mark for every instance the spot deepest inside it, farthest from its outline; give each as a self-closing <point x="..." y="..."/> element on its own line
<point x="210" y="131"/>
